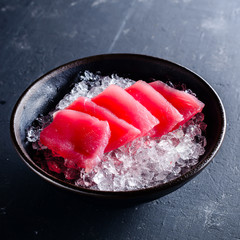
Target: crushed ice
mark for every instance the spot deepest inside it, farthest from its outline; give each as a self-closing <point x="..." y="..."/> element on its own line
<point x="140" y="164"/>
<point x="91" y="85"/>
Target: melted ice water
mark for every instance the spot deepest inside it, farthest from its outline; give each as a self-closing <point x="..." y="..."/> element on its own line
<point x="143" y="163"/>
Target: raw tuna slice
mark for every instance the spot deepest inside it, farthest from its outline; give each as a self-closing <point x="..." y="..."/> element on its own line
<point x="121" y="131"/>
<point x="185" y="103"/>
<point x="124" y="106"/>
<point x="155" y="103"/>
<point x="78" y="137"/>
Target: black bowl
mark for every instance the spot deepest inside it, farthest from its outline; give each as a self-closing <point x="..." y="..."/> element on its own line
<point x="46" y="92"/>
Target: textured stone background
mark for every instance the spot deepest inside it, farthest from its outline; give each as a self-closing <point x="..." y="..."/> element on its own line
<point x="37" y="36"/>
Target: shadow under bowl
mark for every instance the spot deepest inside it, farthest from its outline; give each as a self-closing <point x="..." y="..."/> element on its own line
<point x="43" y="95"/>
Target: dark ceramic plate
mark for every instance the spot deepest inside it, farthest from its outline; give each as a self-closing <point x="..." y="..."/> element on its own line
<point x="46" y="92"/>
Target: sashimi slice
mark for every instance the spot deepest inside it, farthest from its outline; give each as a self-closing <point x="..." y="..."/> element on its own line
<point x="121" y="131"/>
<point x="78" y="137"/>
<point x="159" y="107"/>
<point x="124" y="106"/>
<point x="187" y="104"/>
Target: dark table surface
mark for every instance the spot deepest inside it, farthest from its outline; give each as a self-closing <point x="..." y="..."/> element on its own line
<point x="37" y="36"/>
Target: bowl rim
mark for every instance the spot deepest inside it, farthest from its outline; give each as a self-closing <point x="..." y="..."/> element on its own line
<point x="131" y="193"/>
